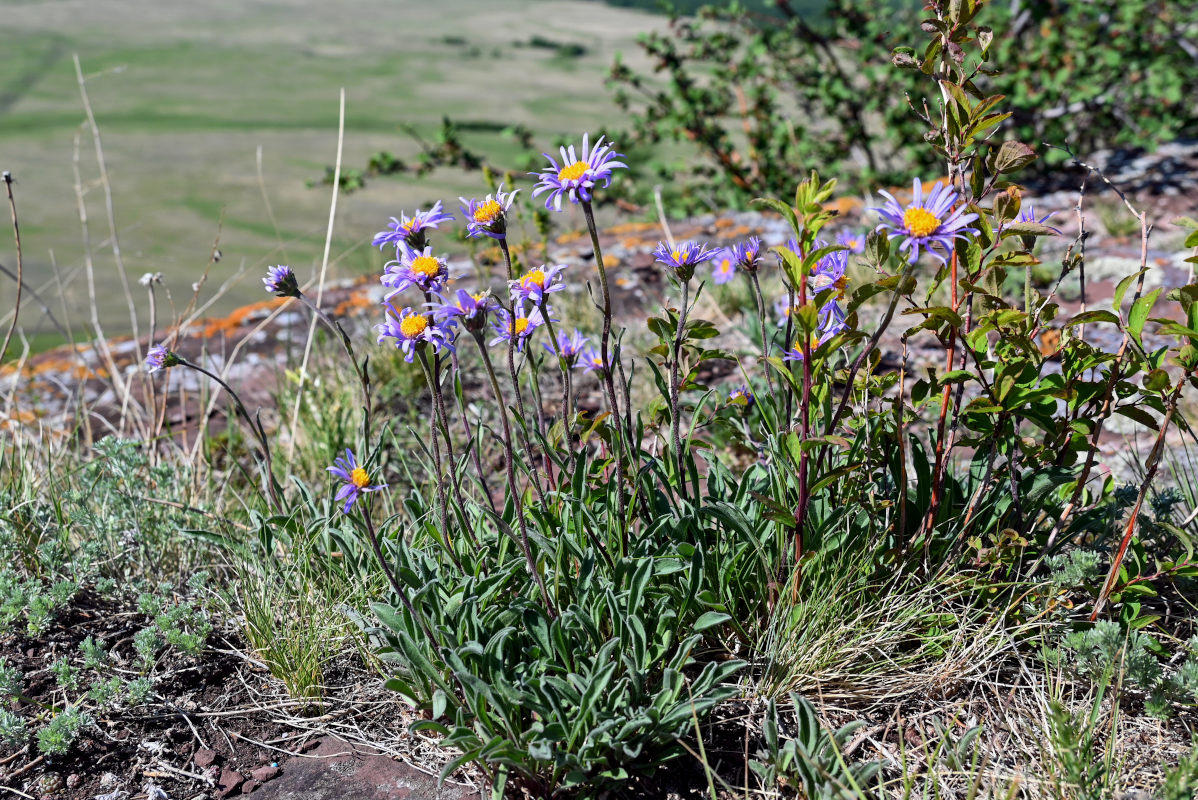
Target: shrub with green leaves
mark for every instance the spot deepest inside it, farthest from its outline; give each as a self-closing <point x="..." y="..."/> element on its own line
<point x="762" y="97"/>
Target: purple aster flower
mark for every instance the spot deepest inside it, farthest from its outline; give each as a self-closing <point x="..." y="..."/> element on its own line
<point x="684" y="257"/>
<point x="747" y="254"/>
<point x="410" y="230"/>
<point x="855" y="242"/>
<point x="575" y="177"/>
<point x="569" y="346"/>
<point x="535" y="284"/>
<point x="470" y="309"/>
<point x="829" y="271"/>
<point x="415" y="268"/>
<point x="831" y="322"/>
<point x="1028" y="214"/>
<point x="280" y="281"/>
<point x="412" y="329"/>
<point x="488" y="217"/>
<point x="742" y="396"/>
<point x="929" y="222"/>
<point x="592" y="361"/>
<point x="520" y="325"/>
<point x="357" y="480"/>
<point x="158" y="357"/>
<point x="724" y="269"/>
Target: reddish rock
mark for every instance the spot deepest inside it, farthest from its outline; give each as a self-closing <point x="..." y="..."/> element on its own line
<point x="229" y="782"/>
<point x="204" y="757"/>
<point x="264" y="773"/>
<point x="249" y="786"/>
<point x="342" y="771"/>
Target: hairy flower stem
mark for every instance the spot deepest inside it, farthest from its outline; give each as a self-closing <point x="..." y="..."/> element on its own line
<point x="509" y="464"/>
<point x="765" y="342"/>
<point x="395" y="585"/>
<point x="360" y="369"/>
<point x="861" y="358"/>
<point x="675" y="410"/>
<point x="608" y="377"/>
<point x="567" y="415"/>
<point x="266" y="464"/>
<point x="442" y="501"/>
<point x="432" y="375"/>
<point x="474" y="456"/>
<point x="511" y="368"/>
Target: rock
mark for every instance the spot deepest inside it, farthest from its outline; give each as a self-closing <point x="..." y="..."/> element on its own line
<point x="229" y="782"/>
<point x="345" y="771"/>
<point x="73" y="780"/>
<point x="204" y="757"/>
<point x="263" y="774"/>
<point x="249" y="786"/>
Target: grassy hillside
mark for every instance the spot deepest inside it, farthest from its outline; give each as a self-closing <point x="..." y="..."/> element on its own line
<point x="184" y="94"/>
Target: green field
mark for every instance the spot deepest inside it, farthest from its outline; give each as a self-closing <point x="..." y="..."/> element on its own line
<point x="185" y="94"/>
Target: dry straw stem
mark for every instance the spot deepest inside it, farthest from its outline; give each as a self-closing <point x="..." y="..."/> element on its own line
<point x="16" y="232"/>
<point x="324" y="263"/>
<point x="120" y="386"/>
<point x="108" y="204"/>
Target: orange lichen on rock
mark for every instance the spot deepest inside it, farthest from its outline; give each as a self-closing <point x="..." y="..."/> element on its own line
<point x="230" y="324"/>
<point x="631" y="227"/>
<point x="736" y="232"/>
<point x="18" y="416"/>
<point x="357" y="301"/>
<point x="572" y="236"/>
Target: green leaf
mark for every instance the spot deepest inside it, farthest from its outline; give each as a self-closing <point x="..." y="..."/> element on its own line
<point x="1026" y="229"/>
<point x="1121" y="289"/>
<point x="786" y="211"/>
<point x="710" y="619"/>
<point x="1013" y="156"/>
<point x="1092" y="316"/>
<point x="1140" y="310"/>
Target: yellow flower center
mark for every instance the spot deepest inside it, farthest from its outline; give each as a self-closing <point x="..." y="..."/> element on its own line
<point x="427" y="266"/>
<point x="413" y="326"/>
<point x="407" y="226"/>
<point x="534" y="278"/>
<point x="520" y="326"/>
<point x="478" y="298"/>
<point x="574" y="171"/>
<point x="676" y="255"/>
<point x="487" y="212"/>
<point x="725" y="265"/>
<point x="920" y="221"/>
<point x="840" y="284"/>
<point x="359" y="478"/>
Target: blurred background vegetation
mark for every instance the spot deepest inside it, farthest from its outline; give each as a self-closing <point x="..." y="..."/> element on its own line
<point x="206" y="111"/>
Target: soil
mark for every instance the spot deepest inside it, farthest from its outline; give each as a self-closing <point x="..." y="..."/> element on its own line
<point x="211" y="730"/>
